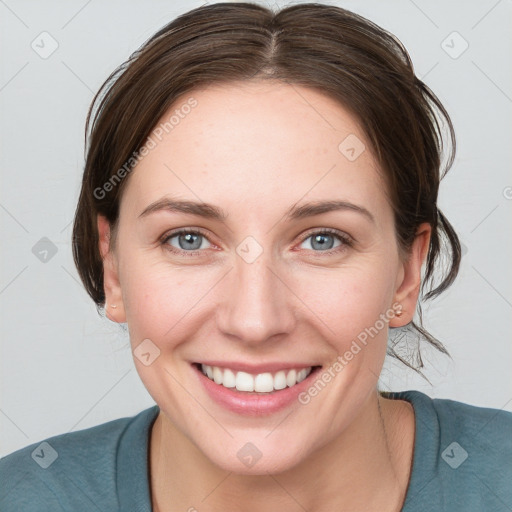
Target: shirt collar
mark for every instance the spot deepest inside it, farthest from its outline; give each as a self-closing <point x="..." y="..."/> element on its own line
<point x="132" y="481"/>
<point x="133" y="487"/>
<point x="426" y="448"/>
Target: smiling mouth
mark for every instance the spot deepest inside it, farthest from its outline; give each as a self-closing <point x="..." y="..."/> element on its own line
<point x="261" y="383"/>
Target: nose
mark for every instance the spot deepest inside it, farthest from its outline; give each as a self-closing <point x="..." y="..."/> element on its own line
<point x="257" y="303"/>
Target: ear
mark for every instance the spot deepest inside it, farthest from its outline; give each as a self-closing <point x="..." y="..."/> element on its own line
<point x="111" y="285"/>
<point x="409" y="278"/>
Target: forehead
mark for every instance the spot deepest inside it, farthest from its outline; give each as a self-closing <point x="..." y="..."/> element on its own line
<point x="259" y="144"/>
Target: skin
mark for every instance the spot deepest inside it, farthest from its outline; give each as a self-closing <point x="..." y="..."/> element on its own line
<point x="255" y="149"/>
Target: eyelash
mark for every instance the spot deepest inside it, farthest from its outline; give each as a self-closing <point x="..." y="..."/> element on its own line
<point x="347" y="240"/>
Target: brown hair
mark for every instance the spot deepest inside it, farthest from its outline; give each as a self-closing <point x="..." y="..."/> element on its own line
<point x="330" y="49"/>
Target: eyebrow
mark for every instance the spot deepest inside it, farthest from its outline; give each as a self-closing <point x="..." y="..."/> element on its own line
<point x="200" y="209"/>
<point x="210" y="211"/>
<point x="319" y="207"/>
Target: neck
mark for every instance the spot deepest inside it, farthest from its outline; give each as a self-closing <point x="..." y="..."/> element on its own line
<point x="367" y="467"/>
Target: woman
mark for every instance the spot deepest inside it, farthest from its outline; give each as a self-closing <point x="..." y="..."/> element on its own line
<point x="259" y="197"/>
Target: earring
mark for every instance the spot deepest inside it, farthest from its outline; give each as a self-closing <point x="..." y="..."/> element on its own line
<point x="113" y="306"/>
<point x="399" y="313"/>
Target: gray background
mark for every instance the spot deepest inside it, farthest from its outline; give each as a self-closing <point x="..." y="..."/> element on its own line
<point x="65" y="368"/>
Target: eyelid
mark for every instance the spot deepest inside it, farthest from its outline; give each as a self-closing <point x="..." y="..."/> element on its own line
<point x="332" y="231"/>
<point x="346" y="239"/>
<point x="179" y="231"/>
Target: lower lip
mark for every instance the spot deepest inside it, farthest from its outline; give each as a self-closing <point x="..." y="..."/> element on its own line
<point x="252" y="404"/>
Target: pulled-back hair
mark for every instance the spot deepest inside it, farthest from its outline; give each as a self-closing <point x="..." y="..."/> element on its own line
<point x="327" y="48"/>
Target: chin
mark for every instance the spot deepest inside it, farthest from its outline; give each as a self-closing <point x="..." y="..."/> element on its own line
<point x="255" y="458"/>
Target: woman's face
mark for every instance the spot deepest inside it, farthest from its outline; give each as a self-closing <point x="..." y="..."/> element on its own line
<point x="269" y="287"/>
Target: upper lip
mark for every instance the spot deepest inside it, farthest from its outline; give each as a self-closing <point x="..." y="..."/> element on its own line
<point x="270" y="367"/>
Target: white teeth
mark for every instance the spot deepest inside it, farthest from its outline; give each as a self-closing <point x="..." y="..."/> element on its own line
<point x="217" y="375"/>
<point x="244" y="382"/>
<point x="280" y="380"/>
<point x="264" y="383"/>
<point x="229" y="379"/>
<point x="291" y="378"/>
<point x="261" y="383"/>
<point x="302" y="375"/>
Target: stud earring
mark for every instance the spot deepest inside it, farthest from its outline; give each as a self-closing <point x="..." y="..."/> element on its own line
<point x="399" y="313"/>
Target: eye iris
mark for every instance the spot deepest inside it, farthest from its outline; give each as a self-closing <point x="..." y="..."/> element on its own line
<point x="321" y="238"/>
<point x="190" y="237"/>
<point x="192" y="240"/>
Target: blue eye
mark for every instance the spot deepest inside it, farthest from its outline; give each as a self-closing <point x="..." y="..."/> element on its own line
<point x="323" y="240"/>
<point x="190" y="241"/>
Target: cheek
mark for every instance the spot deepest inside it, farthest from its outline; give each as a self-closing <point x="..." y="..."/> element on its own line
<point x="347" y="299"/>
<point x="166" y="302"/>
<point x="161" y="298"/>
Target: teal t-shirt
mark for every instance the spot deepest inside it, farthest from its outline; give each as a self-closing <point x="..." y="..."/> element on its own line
<point x="462" y="462"/>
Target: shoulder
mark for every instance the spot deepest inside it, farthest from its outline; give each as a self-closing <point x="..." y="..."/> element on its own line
<point x="463" y="455"/>
<point x="72" y="471"/>
<point x="486" y="432"/>
<point x="484" y="428"/>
